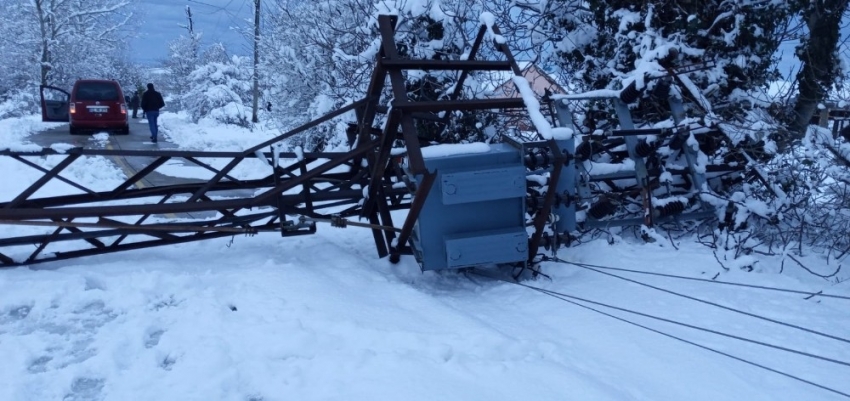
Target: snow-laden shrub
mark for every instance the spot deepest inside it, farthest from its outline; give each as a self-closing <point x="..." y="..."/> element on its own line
<point x="797" y="202"/>
<point x="221" y="91"/>
<point x="183" y="54"/>
<point x="18" y="103"/>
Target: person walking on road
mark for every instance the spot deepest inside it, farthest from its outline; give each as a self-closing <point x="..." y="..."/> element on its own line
<point x="134" y="104"/>
<point x="151" y="103"/>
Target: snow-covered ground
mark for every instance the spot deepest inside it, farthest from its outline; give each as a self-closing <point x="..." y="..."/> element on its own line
<point x="322" y="318"/>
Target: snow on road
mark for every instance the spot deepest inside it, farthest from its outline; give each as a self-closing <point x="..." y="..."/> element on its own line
<point x="322" y="318"/>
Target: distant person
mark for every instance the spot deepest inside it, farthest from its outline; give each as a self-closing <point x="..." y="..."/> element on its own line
<point x="151" y="103"/>
<point x="134" y="104"/>
<point x="269" y="106"/>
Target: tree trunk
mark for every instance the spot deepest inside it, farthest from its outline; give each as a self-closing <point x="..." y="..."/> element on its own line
<point x="256" y="90"/>
<point x="818" y="56"/>
<point x="44" y="62"/>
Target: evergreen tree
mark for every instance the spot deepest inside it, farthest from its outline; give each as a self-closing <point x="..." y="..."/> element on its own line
<point x="614" y="42"/>
<point x="221" y="91"/>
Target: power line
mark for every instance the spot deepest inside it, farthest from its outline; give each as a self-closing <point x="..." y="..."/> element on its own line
<point x="690" y="326"/>
<point x="233" y="17"/>
<point x="217" y="8"/>
<point x="779" y="322"/>
<point x="760" y="287"/>
<point x="566" y="298"/>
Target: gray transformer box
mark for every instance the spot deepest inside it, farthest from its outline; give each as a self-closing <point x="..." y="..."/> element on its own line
<point x="475" y="212"/>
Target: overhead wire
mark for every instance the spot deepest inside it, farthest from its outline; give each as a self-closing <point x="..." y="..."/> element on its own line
<point x="731" y="309"/>
<point x="759" y="287"/>
<point x="217" y="8"/>
<point x="232" y="16"/>
<point x="577" y="302"/>
<point x="704" y="329"/>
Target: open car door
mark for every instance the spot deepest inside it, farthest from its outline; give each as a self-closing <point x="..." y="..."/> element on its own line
<point x="54" y="104"/>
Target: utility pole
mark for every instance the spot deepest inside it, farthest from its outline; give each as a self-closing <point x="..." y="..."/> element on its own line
<point x="256" y="60"/>
<point x="191" y="26"/>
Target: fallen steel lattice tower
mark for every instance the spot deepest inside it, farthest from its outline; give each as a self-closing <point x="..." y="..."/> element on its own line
<point x="92" y="222"/>
<point x="476" y="214"/>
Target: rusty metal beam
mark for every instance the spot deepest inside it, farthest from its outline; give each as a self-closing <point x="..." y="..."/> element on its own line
<point x="327" y="117"/>
<point x="549" y="200"/>
<point x="43" y="244"/>
<point x="139" y="221"/>
<point x="41" y="181"/>
<point x="399" y="87"/>
<point x="160" y="153"/>
<point x="141" y="174"/>
<point x="262" y="199"/>
<point x="476" y="45"/>
<point x="306" y="126"/>
<point x="208" y="167"/>
<point x="119" y="210"/>
<point x="57" y="256"/>
<point x="379" y="161"/>
<point x="451" y="65"/>
<point x="215" y="180"/>
<point x="460" y="105"/>
<point x="46" y="171"/>
<point x="413" y="215"/>
<point x="503" y="47"/>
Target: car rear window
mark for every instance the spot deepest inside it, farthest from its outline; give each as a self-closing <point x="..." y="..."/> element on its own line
<point x="104" y="91"/>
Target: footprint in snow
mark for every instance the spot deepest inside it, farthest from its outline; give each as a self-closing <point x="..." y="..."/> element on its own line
<point x="153" y="338"/>
<point x="168" y="362"/>
<point x="39" y="365"/>
<point x="85" y="388"/>
<point x="15" y="314"/>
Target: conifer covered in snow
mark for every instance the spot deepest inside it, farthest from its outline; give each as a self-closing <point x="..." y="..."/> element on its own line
<point x="221" y="90"/>
<point x="611" y="43"/>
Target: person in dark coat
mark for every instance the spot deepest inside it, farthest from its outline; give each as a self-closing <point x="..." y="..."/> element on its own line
<point x="151" y="103"/>
<point x="134" y="104"/>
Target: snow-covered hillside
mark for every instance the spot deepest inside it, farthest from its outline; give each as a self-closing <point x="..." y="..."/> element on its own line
<point x="322" y="318"/>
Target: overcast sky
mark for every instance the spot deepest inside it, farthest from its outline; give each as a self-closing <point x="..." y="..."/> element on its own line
<point x="162" y="20"/>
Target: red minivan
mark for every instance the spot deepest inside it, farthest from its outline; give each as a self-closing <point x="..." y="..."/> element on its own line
<point x="93" y="104"/>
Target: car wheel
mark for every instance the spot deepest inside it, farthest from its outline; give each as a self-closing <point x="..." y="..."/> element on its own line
<point x="125" y="130"/>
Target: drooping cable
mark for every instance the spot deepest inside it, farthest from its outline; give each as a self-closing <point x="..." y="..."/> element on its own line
<point x="759" y="287"/>
<point x="715" y="304"/>
<point x="566" y="298"/>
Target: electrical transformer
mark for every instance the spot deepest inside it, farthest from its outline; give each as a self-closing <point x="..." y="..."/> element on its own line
<point x="475" y="211"/>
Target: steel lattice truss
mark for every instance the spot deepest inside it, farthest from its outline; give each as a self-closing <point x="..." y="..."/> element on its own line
<point x="130" y="216"/>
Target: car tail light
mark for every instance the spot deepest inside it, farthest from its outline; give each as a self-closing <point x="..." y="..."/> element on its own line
<point x="73" y="108"/>
<point x="123" y="108"/>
